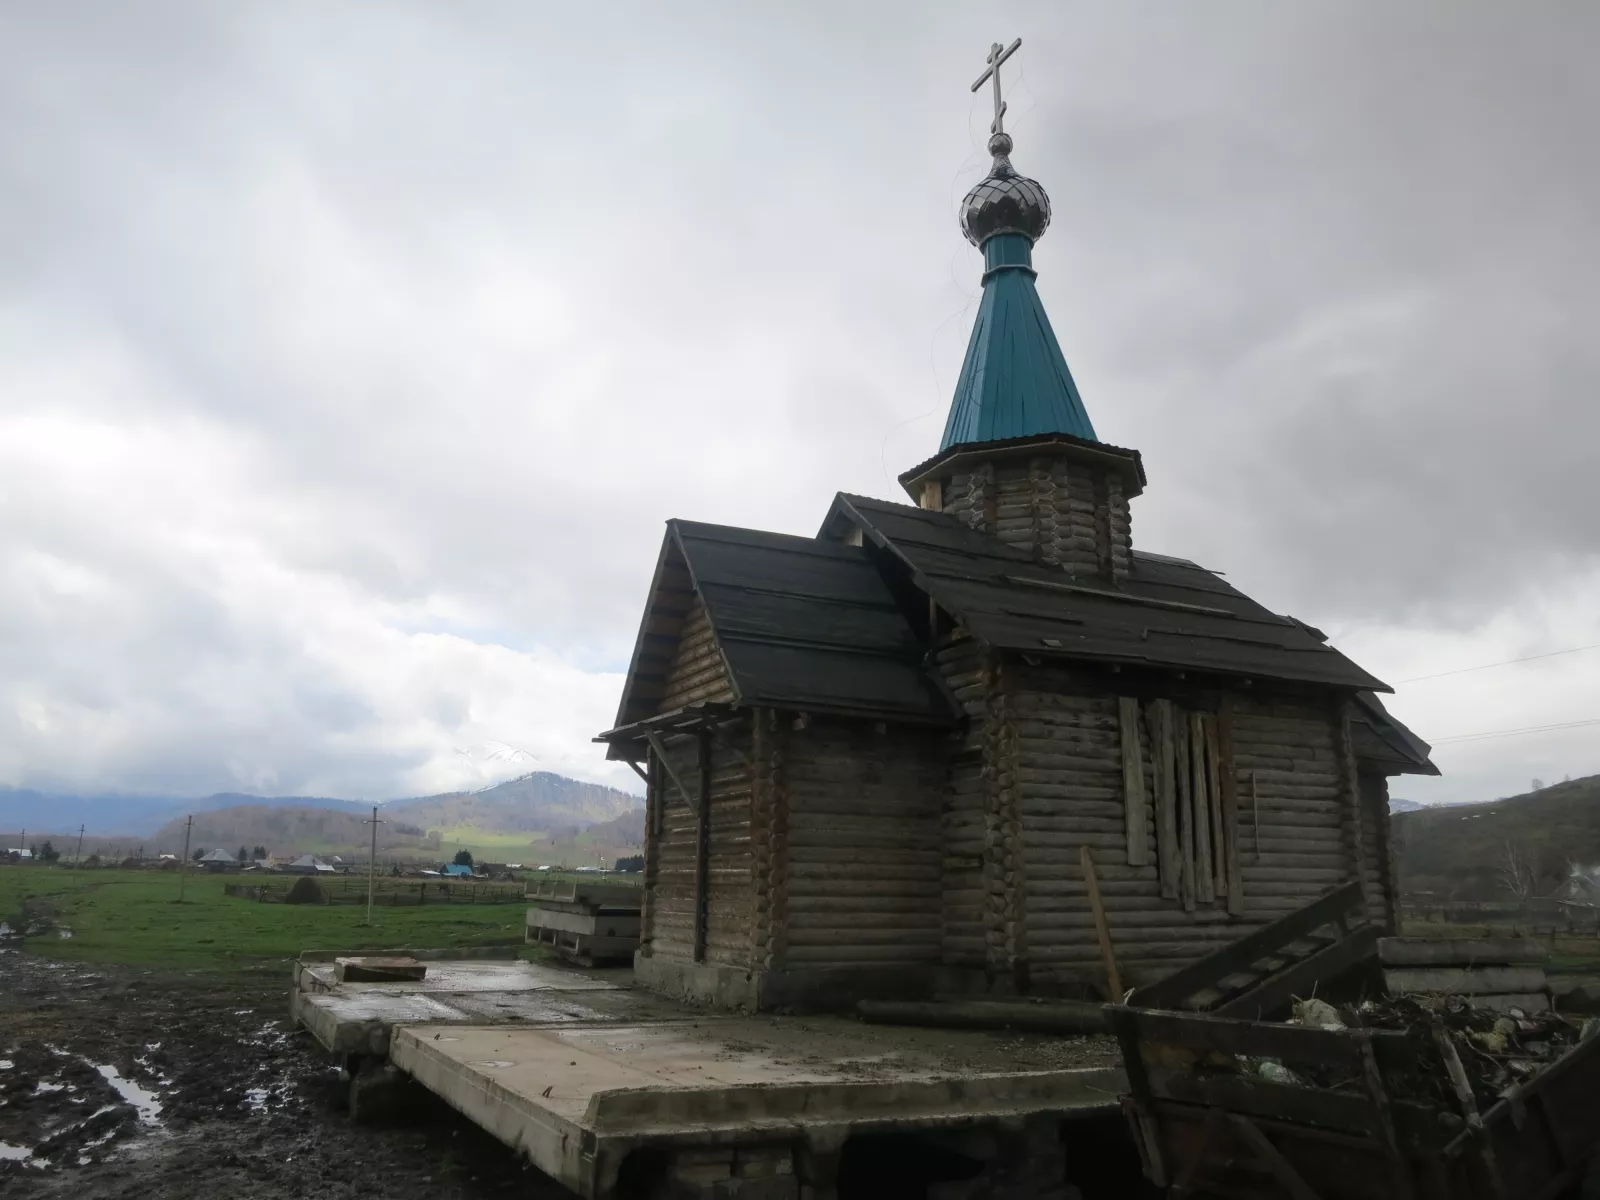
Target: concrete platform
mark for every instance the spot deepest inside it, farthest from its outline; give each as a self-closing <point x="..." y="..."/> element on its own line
<point x="579" y="1072"/>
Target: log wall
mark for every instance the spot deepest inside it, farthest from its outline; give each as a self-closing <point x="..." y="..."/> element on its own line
<point x="1069" y="774"/>
<point x="673" y="864"/>
<point x="1066" y="512"/>
<point x="1292" y="776"/>
<point x="697" y="672"/>
<point x="862" y="862"/>
<point x="1377" y="849"/>
<point x="965" y="668"/>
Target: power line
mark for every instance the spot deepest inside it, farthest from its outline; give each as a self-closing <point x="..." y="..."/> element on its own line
<point x="1499" y="733"/>
<point x="1508" y="662"/>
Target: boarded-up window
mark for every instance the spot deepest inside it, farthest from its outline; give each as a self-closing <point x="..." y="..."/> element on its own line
<point x="1195" y="809"/>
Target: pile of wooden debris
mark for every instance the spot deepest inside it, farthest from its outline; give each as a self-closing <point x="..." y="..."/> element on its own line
<point x="1496" y="1050"/>
<point x="1492" y="1050"/>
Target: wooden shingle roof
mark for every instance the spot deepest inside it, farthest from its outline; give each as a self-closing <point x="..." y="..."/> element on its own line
<point x="1170" y="613"/>
<point x="802" y="624"/>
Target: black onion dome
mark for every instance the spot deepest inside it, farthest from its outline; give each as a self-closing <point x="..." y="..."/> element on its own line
<point x="1003" y="201"/>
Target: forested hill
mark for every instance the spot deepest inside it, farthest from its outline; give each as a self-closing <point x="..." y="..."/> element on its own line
<point x="1471" y="851"/>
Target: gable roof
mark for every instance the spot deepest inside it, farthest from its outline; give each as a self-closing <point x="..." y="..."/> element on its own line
<point x="1170" y="612"/>
<point x="802" y="624"/>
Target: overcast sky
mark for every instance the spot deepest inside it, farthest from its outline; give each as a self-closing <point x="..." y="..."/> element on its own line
<point x="352" y="355"/>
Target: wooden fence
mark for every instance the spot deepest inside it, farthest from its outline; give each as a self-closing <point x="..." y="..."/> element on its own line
<point x="388" y="892"/>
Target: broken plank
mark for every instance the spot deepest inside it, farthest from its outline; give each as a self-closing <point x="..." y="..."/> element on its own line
<point x="1133" y="782"/>
<point x="1205" y="877"/>
<point x="1161" y="738"/>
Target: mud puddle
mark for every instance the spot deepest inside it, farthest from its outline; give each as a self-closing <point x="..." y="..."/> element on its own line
<point x="129" y="1083"/>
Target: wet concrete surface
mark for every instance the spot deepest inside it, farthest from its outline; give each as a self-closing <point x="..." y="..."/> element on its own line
<point x="119" y="1082"/>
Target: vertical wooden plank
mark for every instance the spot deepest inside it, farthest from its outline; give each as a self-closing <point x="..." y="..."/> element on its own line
<point x="653" y="800"/>
<point x="760" y="836"/>
<point x="778" y="936"/>
<point x="1161" y="741"/>
<point x="1205" y="878"/>
<point x="1229" y="774"/>
<point x="1133" y="783"/>
<point x="702" y="848"/>
<point x="1185" y="806"/>
<point x="1219" y="832"/>
<point x="1350" y="789"/>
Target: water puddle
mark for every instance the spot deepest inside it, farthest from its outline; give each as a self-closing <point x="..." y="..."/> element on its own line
<point x="21" y="1154"/>
<point x="6" y="1064"/>
<point x="145" y="1102"/>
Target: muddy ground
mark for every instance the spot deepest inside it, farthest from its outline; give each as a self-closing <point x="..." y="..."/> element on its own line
<point x="118" y="1082"/>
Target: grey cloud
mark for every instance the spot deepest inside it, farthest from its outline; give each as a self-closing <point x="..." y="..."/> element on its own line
<point x="461" y="302"/>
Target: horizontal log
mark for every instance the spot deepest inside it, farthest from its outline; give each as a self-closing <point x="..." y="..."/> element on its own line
<point x="865" y="903"/>
<point x="861" y="929"/>
<point x="1465" y="981"/>
<point x="1271" y="817"/>
<point x="1418" y="952"/>
<point x="834" y="870"/>
<point x="1033" y="823"/>
<point x="839" y="952"/>
<point x="1267" y="873"/>
<point x="1045" y="942"/>
<point x="1031" y="806"/>
<point x="1290" y="796"/>
<point x="1172" y="918"/>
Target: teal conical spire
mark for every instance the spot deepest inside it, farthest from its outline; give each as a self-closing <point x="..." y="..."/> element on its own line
<point x="1014" y="382"/>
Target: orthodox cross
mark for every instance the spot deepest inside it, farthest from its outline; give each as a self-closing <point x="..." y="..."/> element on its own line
<point x="992" y="71"/>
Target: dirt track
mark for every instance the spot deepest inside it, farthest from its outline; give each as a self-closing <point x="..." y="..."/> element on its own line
<point x="129" y="1083"/>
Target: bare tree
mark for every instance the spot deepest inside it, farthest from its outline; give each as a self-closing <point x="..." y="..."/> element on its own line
<point x="1515" y="872"/>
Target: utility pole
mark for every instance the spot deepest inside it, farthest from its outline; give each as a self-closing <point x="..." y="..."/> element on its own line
<point x="183" y="867"/>
<point x="77" y="859"/>
<point x="372" y="861"/>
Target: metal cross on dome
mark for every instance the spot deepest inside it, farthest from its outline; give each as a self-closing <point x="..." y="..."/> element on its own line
<point x="992" y="71"/>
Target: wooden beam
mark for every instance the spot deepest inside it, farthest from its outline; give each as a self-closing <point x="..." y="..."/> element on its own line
<point x="1219" y="837"/>
<point x="1166" y="797"/>
<point x="1301" y="978"/>
<point x="1272" y="1158"/>
<point x="1184" y="982"/>
<point x="1351" y="788"/>
<point x="1133" y="783"/>
<point x="638" y="770"/>
<point x="1180" y="739"/>
<point x="1108" y="955"/>
<point x="656" y="744"/>
<point x="1205" y="877"/>
<point x="1229" y="777"/>
<point x="702" y="849"/>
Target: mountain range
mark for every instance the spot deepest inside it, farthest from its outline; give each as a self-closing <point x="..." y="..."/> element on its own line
<point x="524" y="811"/>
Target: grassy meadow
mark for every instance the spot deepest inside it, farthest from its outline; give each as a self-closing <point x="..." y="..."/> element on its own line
<point x="133" y="917"/>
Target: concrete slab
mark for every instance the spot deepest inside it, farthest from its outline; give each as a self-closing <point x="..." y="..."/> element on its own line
<point x="577" y="1099"/>
<point x="577" y="1070"/>
<point x="503" y="975"/>
<point x="358" y="1018"/>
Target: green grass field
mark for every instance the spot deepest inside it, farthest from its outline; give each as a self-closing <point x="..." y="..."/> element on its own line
<point x="486" y="844"/>
<point x="133" y="917"/>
